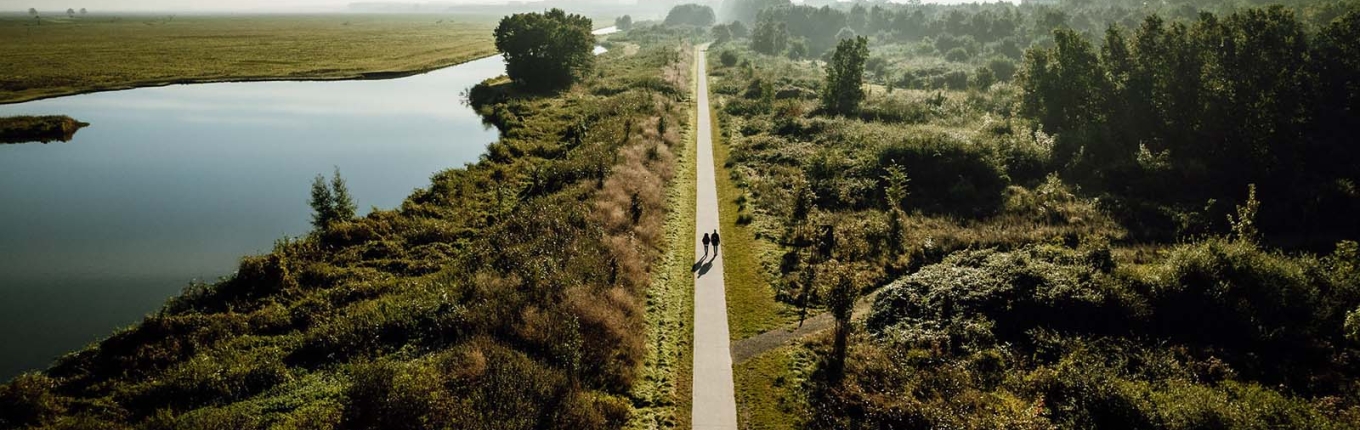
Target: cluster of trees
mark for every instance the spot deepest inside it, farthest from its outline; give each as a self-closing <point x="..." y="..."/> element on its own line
<point x="723" y="33"/>
<point x="331" y="204"/>
<point x="624" y="23"/>
<point x="546" y="51"/>
<point x="1219" y="103"/>
<point x="691" y="14"/>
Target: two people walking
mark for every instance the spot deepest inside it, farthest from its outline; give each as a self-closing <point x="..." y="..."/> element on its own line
<point x="713" y="239"/>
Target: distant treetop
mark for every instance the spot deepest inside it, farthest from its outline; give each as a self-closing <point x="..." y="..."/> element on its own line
<point x="691" y="14"/>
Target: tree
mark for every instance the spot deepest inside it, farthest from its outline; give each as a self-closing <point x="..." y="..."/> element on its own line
<point x="624" y="23"/>
<point x="728" y="58"/>
<point x="545" y="51"/>
<point x="739" y="30"/>
<point x="839" y="293"/>
<point x="70" y="12"/>
<point x="332" y="203"/>
<point x="721" y="34"/>
<point x="33" y="11"/>
<point x="770" y="37"/>
<point x="797" y="50"/>
<point x="983" y="78"/>
<point x="691" y="14"/>
<point x="896" y="192"/>
<point x="844" y="89"/>
<point x="1062" y="85"/>
<point x="83" y="11"/>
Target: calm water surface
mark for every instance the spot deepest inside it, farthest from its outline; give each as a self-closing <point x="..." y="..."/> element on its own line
<point x="173" y="184"/>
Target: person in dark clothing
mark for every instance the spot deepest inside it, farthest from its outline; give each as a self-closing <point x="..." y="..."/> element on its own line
<point x="715" y="241"/>
<point x="705" y="243"/>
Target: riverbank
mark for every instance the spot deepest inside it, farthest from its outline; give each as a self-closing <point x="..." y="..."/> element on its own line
<point x="533" y="265"/>
<point x="44" y="129"/>
<point x="120" y="52"/>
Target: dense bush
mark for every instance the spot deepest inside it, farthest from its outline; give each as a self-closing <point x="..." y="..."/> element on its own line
<point x="545" y="51"/>
<point x="1182" y="343"/>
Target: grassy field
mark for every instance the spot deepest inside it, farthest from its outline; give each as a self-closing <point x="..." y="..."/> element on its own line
<point x="64" y="56"/>
<point x="770" y="388"/>
<point x="752" y="308"/>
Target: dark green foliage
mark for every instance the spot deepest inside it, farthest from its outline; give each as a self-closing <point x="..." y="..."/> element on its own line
<point x="770" y="37"/>
<point x="1217" y="334"/>
<point x="624" y="23"/>
<point x="983" y="78"/>
<point x="721" y="34"/>
<point x="545" y="51"/>
<point x="691" y="14"/>
<point x="331" y="203"/>
<point x="957" y="55"/>
<point x="947" y="176"/>
<point x="738" y="30"/>
<point x="844" y="88"/>
<point x="28" y="399"/>
<point x="729" y="58"/>
<point x="1003" y="70"/>
<point x="1222" y="102"/>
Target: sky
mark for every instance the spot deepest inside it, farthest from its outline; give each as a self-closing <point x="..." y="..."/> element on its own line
<point x="235" y="5"/>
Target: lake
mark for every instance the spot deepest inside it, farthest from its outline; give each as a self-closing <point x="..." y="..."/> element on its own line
<point x="174" y="184"/>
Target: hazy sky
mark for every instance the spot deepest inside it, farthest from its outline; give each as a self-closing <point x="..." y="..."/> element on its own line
<point x="235" y="5"/>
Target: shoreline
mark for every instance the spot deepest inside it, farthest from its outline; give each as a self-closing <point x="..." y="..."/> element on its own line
<point x="359" y="76"/>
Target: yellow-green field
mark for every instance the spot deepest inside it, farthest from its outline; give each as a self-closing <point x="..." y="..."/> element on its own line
<point x="65" y="56"/>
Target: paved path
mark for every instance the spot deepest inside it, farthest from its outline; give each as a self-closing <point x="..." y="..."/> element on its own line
<point x="745" y="349"/>
<point x="714" y="403"/>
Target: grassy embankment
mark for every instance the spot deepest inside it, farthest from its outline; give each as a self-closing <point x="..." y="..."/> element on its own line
<point x="22" y="129"/>
<point x="511" y="293"/>
<point x="97" y="52"/>
<point x="665" y="386"/>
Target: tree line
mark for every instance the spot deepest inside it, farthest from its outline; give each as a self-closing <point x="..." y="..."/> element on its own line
<point x="1189" y="113"/>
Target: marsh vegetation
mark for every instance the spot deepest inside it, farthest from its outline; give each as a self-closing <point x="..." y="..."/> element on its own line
<point x="44" y="129"/>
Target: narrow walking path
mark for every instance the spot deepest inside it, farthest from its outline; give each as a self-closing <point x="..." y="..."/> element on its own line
<point x="745" y="349"/>
<point x="714" y="403"/>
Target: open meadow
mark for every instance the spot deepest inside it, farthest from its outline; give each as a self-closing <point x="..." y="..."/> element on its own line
<point x="125" y="51"/>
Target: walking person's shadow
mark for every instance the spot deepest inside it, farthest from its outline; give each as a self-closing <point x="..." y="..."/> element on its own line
<point x="699" y="264"/>
<point x="704" y="266"/>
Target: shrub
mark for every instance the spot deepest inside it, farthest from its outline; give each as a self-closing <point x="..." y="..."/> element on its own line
<point x="729" y="58"/>
<point x="957" y="55"/>
<point x="28" y="400"/>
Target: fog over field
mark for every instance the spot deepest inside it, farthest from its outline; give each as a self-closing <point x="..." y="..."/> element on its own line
<point x="280" y="5"/>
